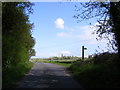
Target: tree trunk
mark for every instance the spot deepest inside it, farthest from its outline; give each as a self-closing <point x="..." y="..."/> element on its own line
<point x="119" y="52"/>
<point x="115" y="19"/>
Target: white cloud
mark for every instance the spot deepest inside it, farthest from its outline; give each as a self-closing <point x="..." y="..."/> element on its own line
<point x="59" y="23"/>
<point x="81" y="33"/>
<point x="87" y="34"/>
<point x="64" y="34"/>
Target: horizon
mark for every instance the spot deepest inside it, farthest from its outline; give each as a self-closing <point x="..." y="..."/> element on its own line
<point x="56" y="32"/>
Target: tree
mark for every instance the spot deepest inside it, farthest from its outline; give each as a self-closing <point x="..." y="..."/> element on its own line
<point x="108" y="18"/>
<point x="32" y="52"/>
<point x="17" y="40"/>
<point x="115" y="21"/>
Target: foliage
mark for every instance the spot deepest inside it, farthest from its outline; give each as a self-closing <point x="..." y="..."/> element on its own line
<point x="17" y="40"/>
<point x="101" y="71"/>
<point x="63" y="58"/>
<point x="105" y="58"/>
<point x="13" y="74"/>
<point x="108" y="20"/>
<point x="55" y="58"/>
<point x="101" y="74"/>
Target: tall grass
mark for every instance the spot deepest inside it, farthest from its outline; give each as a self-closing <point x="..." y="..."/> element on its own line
<point x="11" y="74"/>
<point x="105" y="74"/>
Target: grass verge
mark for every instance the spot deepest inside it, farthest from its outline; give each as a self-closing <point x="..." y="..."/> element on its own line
<point x="96" y="75"/>
<point x="55" y="62"/>
<point x="12" y="74"/>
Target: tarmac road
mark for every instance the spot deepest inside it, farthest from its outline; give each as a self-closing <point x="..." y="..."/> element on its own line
<point x="46" y="75"/>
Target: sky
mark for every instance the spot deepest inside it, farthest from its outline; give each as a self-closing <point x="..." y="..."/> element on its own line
<point x="56" y="32"/>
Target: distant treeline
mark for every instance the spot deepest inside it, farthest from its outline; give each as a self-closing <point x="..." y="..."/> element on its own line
<point x="62" y="58"/>
<point x="17" y="40"/>
<point x="58" y="58"/>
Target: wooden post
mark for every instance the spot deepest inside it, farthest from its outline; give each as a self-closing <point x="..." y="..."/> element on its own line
<point x="82" y="52"/>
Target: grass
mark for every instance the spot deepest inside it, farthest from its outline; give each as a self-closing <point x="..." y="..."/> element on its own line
<point x="58" y="62"/>
<point x="62" y="64"/>
<point x="92" y="75"/>
<point x="12" y="74"/>
<point x="101" y="71"/>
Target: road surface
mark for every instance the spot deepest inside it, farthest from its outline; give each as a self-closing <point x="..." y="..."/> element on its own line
<point x="46" y="75"/>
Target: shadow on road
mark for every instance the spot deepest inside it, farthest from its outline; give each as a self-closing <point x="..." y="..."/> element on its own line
<point x="46" y="75"/>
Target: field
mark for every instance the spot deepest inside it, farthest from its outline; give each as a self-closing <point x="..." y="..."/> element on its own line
<point x="65" y="63"/>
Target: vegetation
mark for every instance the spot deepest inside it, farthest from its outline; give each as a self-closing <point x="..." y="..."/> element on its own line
<point x="17" y="41"/>
<point x="14" y="73"/>
<point x="64" y="60"/>
<point x="61" y="58"/>
<point x="108" y="20"/>
<point x="101" y="71"/>
<point x="58" y="62"/>
<point x="98" y="71"/>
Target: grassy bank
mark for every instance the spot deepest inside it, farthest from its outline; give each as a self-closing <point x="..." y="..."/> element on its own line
<point x="105" y="74"/>
<point x="12" y="74"/>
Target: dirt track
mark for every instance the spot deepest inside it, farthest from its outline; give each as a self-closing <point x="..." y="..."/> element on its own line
<point x="46" y="75"/>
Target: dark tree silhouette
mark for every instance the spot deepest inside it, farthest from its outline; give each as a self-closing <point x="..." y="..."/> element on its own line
<point x="17" y="40"/>
<point x="108" y="18"/>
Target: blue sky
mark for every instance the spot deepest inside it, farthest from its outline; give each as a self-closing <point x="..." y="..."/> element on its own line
<point x="56" y="31"/>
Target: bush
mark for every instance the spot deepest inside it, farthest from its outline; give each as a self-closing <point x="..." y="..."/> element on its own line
<point x="55" y="58"/>
<point x="105" y="58"/>
<point x="103" y="72"/>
